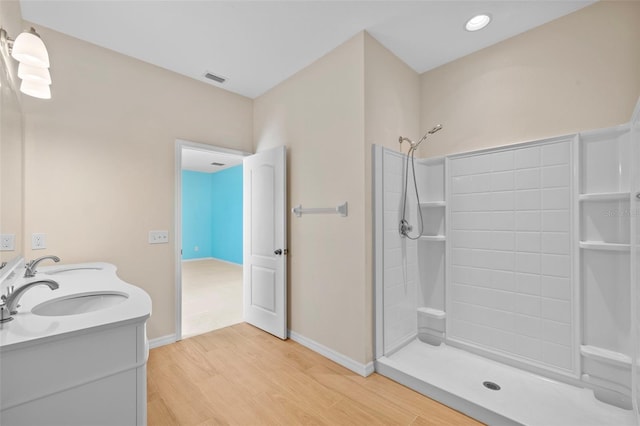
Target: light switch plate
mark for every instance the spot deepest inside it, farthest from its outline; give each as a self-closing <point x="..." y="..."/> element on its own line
<point x="158" y="237"/>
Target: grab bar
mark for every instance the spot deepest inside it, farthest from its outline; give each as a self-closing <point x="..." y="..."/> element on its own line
<point x="341" y="210"/>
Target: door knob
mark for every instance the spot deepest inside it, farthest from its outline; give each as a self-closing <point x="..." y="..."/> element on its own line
<point x="280" y="252"/>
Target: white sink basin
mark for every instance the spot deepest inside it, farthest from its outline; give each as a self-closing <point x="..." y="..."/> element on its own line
<point x="79" y="304"/>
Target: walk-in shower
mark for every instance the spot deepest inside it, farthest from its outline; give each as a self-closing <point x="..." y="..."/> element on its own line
<point x="516" y="299"/>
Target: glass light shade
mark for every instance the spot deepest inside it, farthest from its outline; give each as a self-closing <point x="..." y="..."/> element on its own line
<point x="28" y="48"/>
<point x="37" y="90"/>
<point x="478" y="22"/>
<point x="36" y="74"/>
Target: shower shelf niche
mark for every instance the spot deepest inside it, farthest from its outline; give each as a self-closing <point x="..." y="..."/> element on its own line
<point x="433" y="204"/>
<point x="604" y="196"/>
<point x="438" y="238"/>
<point x="604" y="241"/>
<point x="599" y="245"/>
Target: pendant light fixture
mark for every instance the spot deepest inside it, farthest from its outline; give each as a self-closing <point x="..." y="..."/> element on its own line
<point x="33" y="69"/>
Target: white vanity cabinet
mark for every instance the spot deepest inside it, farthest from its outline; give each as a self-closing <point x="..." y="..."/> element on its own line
<point x="95" y="377"/>
<point x="76" y="369"/>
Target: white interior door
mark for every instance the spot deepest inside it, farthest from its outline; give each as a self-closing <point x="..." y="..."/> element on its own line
<point x="265" y="237"/>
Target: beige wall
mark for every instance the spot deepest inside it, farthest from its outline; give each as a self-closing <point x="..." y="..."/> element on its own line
<point x="576" y="73"/>
<point x="11" y="136"/>
<point x="328" y="116"/>
<point x="319" y="115"/>
<point x="99" y="170"/>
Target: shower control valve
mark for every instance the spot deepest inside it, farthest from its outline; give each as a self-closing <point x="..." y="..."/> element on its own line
<point x="405" y="228"/>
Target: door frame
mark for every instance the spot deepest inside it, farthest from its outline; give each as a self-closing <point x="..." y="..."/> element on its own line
<point x="180" y="144"/>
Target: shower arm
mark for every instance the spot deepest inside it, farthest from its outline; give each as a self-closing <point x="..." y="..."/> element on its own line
<point x="414" y="145"/>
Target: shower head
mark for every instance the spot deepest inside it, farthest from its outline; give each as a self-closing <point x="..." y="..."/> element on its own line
<point x="413" y="144"/>
<point x="435" y="129"/>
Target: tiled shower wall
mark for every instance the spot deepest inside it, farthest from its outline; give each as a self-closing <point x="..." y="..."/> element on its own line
<point x="400" y="257"/>
<point x="511" y="253"/>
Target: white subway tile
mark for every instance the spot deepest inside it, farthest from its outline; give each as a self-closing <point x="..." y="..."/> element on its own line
<point x="461" y="185"/>
<point x="391" y="239"/>
<point x="556" y="176"/>
<point x="528" y="242"/>
<point x="462" y="257"/>
<point x="528" y="325"/>
<point x="556" y="198"/>
<point x="556" y="332"/>
<point x="481" y="239"/>
<point x="501" y="240"/>
<point x="503" y="280"/>
<point x="502" y="221"/>
<point x="556" y="153"/>
<point x="528" y="199"/>
<point x="393" y="182"/>
<point x="528" y="262"/>
<point x="527" y="179"/>
<point x="528" y="347"/>
<point x="501" y="200"/>
<point x="527" y="221"/>
<point x="556" y="310"/>
<point x="391" y="220"/>
<point x="556" y="220"/>
<point x="556" y="265"/>
<point x="501" y="161"/>
<point x="502" y="181"/>
<point x="528" y="283"/>
<point x="527" y="305"/>
<point x="480" y="183"/>
<point x="555" y="287"/>
<point x="393" y="276"/>
<point x="527" y="157"/>
<point x="501" y="260"/>
<point x="392" y="201"/>
<point x="556" y="242"/>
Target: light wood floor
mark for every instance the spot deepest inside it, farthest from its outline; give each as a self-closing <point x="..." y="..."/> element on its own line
<point x="240" y="375"/>
<point x="211" y="295"/>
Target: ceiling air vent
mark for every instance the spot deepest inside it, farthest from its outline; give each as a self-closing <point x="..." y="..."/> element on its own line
<point x="216" y="78"/>
<point x="217" y="164"/>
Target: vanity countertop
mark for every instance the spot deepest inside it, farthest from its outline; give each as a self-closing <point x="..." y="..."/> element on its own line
<point x="77" y="279"/>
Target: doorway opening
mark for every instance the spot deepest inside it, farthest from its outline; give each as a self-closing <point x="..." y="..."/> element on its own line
<point x="209" y="238"/>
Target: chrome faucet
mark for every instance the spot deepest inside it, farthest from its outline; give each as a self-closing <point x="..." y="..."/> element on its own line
<point x="30" y="267"/>
<point x="10" y="305"/>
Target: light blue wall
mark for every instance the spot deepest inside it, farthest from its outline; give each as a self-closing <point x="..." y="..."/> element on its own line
<point x="212" y="215"/>
<point x="226" y="212"/>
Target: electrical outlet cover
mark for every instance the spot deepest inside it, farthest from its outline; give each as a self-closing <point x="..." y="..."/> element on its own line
<point x="7" y="242"/>
<point x="38" y="241"/>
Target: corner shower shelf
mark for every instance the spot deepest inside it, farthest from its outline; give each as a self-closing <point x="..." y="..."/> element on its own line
<point x="433" y="238"/>
<point x="433" y="204"/>
<point x="432" y="313"/>
<point x="604" y="196"/>
<point x="601" y="245"/>
<point x="605" y="355"/>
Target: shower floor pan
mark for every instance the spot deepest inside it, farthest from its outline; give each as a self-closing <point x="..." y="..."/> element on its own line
<point x="455" y="378"/>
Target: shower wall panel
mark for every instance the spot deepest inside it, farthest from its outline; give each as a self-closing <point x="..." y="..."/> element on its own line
<point x="400" y="292"/>
<point x="509" y="288"/>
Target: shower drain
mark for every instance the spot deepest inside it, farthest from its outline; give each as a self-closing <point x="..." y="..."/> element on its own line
<point x="491" y="385"/>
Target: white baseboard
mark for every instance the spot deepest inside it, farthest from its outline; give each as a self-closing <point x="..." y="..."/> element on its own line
<point x="211" y="258"/>
<point x="358" y="368"/>
<point x="161" y="341"/>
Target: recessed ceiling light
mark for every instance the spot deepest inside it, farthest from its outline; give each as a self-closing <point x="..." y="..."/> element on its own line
<point x="478" y="22"/>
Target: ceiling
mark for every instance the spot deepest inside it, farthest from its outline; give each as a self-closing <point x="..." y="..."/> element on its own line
<point x="198" y="160"/>
<point x="258" y="44"/>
